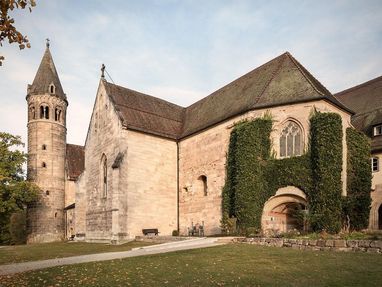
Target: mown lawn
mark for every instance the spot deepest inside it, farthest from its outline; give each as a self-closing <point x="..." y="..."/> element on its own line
<point x="21" y="253"/>
<point x="229" y="265"/>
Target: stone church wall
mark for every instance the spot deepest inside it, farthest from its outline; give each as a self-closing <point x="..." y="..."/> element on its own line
<point x="204" y="154"/>
<point x="104" y="139"/>
<point x="151" y="186"/>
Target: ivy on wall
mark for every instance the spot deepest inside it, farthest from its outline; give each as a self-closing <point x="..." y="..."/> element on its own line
<point x="326" y="163"/>
<point x="253" y="175"/>
<point x="357" y="203"/>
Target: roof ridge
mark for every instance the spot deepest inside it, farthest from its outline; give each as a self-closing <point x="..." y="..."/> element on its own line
<point x="300" y="67"/>
<point x="358" y="86"/>
<point x="275" y="72"/>
<point x="238" y="78"/>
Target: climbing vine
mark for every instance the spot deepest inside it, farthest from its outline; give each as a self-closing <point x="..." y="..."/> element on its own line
<point x="357" y="202"/>
<point x="253" y="175"/>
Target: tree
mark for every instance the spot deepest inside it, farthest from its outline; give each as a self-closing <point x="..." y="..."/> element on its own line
<point x="7" y="28"/>
<point x="15" y="191"/>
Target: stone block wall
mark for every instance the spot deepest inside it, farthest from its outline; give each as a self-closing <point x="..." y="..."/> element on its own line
<point x="204" y="153"/>
<point x="151" y="184"/>
<point x="318" y="245"/>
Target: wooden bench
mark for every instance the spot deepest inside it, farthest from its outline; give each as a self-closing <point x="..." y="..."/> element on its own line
<point x="150" y="231"/>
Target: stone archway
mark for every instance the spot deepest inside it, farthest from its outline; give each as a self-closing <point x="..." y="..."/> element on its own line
<point x="282" y="212"/>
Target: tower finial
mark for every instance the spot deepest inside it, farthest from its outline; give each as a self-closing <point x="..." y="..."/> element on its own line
<point x="103" y="71"/>
<point x="47" y="42"/>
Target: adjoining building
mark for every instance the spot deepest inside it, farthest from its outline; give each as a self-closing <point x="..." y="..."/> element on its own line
<point x="151" y="164"/>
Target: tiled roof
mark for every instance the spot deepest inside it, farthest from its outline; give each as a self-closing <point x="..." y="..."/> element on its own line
<point x="46" y="75"/>
<point x="366" y="100"/>
<point x="75" y="161"/>
<point x="146" y="113"/>
<point x="280" y="81"/>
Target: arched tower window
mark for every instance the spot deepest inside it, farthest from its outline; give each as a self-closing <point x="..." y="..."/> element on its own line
<point x="32" y="113"/>
<point x="203" y="184"/>
<point x="44" y="112"/>
<point x="57" y="114"/>
<point x="291" y="140"/>
<point x="52" y="89"/>
<point x="104" y="175"/>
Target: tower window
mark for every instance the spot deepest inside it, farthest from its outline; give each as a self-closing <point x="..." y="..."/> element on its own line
<point x="291" y="143"/>
<point x="43" y="164"/>
<point x="43" y="147"/>
<point x="57" y="114"/>
<point x="32" y="113"/>
<point x="55" y="214"/>
<point x="44" y="112"/>
<point x="52" y="88"/>
<point x="47" y="192"/>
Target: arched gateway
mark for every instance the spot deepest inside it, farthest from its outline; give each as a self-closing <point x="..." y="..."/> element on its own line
<point x="284" y="211"/>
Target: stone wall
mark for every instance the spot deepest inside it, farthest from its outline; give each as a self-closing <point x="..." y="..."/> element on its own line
<point x="151" y="183"/>
<point x="205" y="154"/>
<point x="46" y="168"/>
<point x="320" y="244"/>
<point x="101" y="209"/>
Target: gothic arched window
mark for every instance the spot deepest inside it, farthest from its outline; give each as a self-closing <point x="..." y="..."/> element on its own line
<point x="104" y="175"/>
<point x="291" y="141"/>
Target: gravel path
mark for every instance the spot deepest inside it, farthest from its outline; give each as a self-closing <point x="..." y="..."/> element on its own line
<point x="140" y="251"/>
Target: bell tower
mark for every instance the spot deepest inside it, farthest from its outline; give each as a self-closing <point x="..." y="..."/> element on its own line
<point x="47" y="106"/>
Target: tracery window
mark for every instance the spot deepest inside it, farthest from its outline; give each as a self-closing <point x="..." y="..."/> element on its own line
<point x="291" y="141"/>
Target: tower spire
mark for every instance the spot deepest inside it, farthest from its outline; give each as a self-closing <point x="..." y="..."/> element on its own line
<point x="46" y="80"/>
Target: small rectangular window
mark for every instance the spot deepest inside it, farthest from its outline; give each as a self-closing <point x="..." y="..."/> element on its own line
<point x="377" y="130"/>
<point x="375" y="164"/>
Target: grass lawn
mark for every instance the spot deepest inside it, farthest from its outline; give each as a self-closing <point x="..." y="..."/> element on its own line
<point x="228" y="265"/>
<point x="21" y="253"/>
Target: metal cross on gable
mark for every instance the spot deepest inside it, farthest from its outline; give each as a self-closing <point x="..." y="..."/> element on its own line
<point x="47" y="42"/>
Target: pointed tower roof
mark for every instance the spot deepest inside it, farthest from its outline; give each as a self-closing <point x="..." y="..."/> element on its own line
<point x="45" y="76"/>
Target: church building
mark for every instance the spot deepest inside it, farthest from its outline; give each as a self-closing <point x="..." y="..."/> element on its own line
<point x="150" y="164"/>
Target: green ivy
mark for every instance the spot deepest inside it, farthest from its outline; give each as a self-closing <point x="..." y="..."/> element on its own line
<point x="358" y="200"/>
<point x="326" y="162"/>
<point x="253" y="175"/>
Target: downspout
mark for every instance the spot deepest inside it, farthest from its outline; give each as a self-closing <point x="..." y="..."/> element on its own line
<point x="177" y="185"/>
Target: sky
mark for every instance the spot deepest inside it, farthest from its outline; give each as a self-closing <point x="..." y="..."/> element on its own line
<point x="182" y="51"/>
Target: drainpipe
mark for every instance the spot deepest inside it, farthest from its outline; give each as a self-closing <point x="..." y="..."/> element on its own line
<point x="177" y="185"/>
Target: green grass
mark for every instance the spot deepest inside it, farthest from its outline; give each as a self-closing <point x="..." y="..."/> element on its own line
<point x="229" y="265"/>
<point x="21" y="253"/>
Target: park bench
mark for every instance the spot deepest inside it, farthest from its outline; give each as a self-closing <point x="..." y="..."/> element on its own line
<point x="149" y="231"/>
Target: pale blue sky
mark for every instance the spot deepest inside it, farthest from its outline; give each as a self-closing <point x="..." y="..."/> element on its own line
<point x="182" y="51"/>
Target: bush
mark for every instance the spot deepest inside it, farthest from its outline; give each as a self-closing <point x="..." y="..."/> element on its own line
<point x="17" y="228"/>
<point x="175" y="233"/>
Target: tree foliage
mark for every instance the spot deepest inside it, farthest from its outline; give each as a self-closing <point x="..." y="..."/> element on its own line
<point x="15" y="192"/>
<point x="7" y="27"/>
